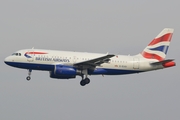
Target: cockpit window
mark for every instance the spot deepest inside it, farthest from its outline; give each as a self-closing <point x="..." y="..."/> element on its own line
<point x="16" y="54"/>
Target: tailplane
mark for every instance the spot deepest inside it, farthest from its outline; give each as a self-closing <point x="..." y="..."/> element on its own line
<point x="158" y="47"/>
<point x="165" y="63"/>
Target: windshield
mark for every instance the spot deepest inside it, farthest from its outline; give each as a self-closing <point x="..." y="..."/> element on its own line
<point x="16" y="54"/>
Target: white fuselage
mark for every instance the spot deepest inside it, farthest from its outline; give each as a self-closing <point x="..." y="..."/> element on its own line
<point x="119" y="64"/>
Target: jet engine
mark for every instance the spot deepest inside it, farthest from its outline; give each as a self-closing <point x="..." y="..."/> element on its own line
<point x="63" y="72"/>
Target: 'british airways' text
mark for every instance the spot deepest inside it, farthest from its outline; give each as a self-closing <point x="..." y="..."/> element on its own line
<point x="52" y="59"/>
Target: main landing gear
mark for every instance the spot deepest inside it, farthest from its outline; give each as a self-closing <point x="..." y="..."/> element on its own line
<point x="29" y="75"/>
<point x="86" y="80"/>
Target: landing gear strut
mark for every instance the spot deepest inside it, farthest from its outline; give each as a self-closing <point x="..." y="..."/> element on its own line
<point x="86" y="80"/>
<point x="29" y="75"/>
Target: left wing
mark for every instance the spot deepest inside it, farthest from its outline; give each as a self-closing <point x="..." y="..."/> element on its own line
<point x="95" y="62"/>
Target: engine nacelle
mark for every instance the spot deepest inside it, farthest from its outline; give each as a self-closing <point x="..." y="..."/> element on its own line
<point x="63" y="72"/>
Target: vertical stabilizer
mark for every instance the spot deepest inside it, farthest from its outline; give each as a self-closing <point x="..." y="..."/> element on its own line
<point x="158" y="47"/>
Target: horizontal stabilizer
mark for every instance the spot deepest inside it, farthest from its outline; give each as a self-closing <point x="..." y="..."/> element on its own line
<point x="162" y="62"/>
<point x="165" y="63"/>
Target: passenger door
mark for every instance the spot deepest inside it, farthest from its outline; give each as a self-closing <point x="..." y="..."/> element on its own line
<point x="135" y="63"/>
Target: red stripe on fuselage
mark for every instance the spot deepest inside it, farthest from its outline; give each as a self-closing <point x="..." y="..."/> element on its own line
<point x="35" y="53"/>
<point x="164" y="38"/>
<point x="151" y="56"/>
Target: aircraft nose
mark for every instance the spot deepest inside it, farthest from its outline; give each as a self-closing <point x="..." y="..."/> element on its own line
<point x="7" y="60"/>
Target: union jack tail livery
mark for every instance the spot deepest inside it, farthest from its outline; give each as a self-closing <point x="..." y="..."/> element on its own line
<point x="158" y="47"/>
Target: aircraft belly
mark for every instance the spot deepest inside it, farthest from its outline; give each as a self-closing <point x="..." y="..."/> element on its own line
<point x="32" y="66"/>
<point x="107" y="71"/>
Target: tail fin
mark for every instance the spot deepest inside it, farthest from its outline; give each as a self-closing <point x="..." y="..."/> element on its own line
<point x="158" y="47"/>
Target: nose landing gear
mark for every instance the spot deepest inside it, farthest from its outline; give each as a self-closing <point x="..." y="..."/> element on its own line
<point x="29" y="75"/>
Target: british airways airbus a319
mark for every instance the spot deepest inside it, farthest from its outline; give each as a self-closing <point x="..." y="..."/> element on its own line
<point x="67" y="65"/>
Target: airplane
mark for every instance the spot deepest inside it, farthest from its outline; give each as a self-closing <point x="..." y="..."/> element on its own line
<point x="69" y="64"/>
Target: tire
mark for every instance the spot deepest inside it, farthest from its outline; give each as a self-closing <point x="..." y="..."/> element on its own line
<point x="83" y="83"/>
<point x="87" y="80"/>
<point x="28" y="78"/>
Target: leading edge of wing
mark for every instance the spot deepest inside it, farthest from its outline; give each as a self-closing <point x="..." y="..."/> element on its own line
<point x="96" y="61"/>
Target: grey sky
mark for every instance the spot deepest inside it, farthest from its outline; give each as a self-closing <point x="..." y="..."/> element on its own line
<point x="115" y="26"/>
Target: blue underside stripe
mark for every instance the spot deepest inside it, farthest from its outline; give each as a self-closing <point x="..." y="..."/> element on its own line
<point x="32" y="66"/>
<point x="45" y="67"/>
<point x="106" y="71"/>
